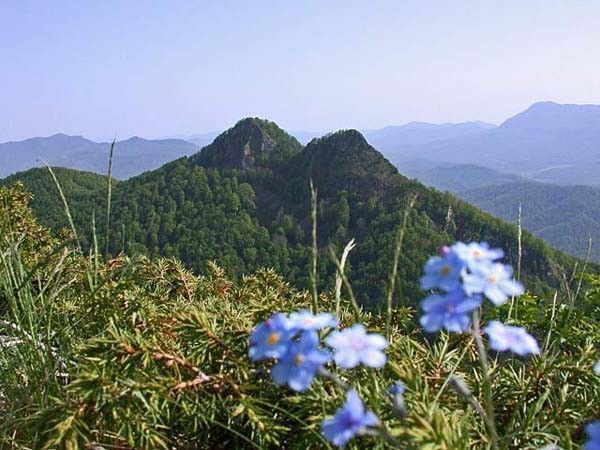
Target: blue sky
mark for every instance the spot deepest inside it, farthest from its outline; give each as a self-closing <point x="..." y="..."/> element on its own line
<point x="156" y="68"/>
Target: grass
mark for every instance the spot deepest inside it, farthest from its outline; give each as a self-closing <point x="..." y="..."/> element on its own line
<point x="137" y="353"/>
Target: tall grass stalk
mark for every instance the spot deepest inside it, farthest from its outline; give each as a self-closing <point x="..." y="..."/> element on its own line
<point x="552" y="320"/>
<point x="66" y="207"/>
<point x="315" y="249"/>
<point x="586" y="261"/>
<point x="32" y="365"/>
<point x="519" y="240"/>
<point x="394" y="271"/>
<point x="338" y="277"/>
<point x="346" y="282"/>
<point x="109" y="194"/>
<point x="513" y="300"/>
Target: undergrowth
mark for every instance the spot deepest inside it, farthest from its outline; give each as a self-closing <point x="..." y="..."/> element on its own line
<point x="130" y="353"/>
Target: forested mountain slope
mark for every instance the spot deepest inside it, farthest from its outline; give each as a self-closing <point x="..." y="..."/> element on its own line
<point x="244" y="201"/>
<point x="564" y="216"/>
<point x="86" y="191"/>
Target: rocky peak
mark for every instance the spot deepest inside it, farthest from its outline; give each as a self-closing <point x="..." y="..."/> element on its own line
<point x="251" y="142"/>
<point x="345" y="161"/>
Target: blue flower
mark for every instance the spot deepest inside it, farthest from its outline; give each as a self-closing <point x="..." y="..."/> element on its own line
<point x="350" y="420"/>
<point x="305" y="320"/>
<point x="397" y="388"/>
<point x="354" y="346"/>
<point x="271" y="338"/>
<point x="494" y="281"/>
<point x="514" y="339"/>
<point x="475" y="254"/>
<point x="443" y="272"/>
<point x="593" y="432"/>
<point x="597" y="368"/>
<point x="298" y="366"/>
<point x="449" y="311"/>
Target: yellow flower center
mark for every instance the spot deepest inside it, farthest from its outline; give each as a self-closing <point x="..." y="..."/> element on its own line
<point x="273" y="338"/>
<point x="299" y="359"/>
<point x="445" y="270"/>
<point x="492" y="279"/>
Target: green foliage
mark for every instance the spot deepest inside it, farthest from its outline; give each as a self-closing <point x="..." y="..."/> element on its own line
<point x="565" y="216"/>
<point x="132" y="352"/>
<point x="244" y="202"/>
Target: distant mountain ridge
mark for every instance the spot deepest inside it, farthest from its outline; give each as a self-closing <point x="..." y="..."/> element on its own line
<point x="131" y="157"/>
<point x="548" y="142"/>
<point x="412" y="134"/>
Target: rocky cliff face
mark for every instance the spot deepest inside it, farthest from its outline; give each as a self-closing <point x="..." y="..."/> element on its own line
<point x="251" y="142"/>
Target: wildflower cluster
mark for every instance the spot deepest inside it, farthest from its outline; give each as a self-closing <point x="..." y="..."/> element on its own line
<point x="292" y="341"/>
<point x="462" y="276"/>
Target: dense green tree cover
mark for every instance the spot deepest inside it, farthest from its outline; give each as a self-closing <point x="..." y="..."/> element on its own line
<point x="133" y="353"/>
<point x="85" y="190"/>
<point x="244" y="201"/>
<point x="565" y="216"/>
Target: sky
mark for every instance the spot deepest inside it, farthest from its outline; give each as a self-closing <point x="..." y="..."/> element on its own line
<point x="163" y="68"/>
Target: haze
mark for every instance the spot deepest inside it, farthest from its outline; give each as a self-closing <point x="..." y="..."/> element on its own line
<point x="154" y="69"/>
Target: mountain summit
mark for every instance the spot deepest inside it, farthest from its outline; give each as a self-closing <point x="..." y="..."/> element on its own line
<point x="554" y="118"/>
<point x="345" y="161"/>
<point x="251" y="142"/>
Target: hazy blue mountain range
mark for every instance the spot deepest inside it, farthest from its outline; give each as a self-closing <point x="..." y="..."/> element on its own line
<point x="548" y="142"/>
<point x="131" y="157"/>
<point x="392" y="139"/>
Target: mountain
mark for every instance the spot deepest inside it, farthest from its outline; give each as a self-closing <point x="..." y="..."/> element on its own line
<point x="454" y="178"/>
<point x="252" y="142"/>
<point x="564" y="216"/>
<point x="22" y="155"/>
<point x="86" y="190"/>
<point x="244" y="202"/>
<point x="131" y="157"/>
<point x="394" y="139"/>
<point x="548" y="142"/>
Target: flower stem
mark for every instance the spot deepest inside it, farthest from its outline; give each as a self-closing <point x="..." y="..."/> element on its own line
<point x="490" y="420"/>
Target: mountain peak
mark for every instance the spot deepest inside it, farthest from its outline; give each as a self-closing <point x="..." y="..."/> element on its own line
<point x="251" y="142"/>
<point x="551" y="117"/>
<point x="344" y="160"/>
<point x="345" y="138"/>
<point x="135" y="139"/>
